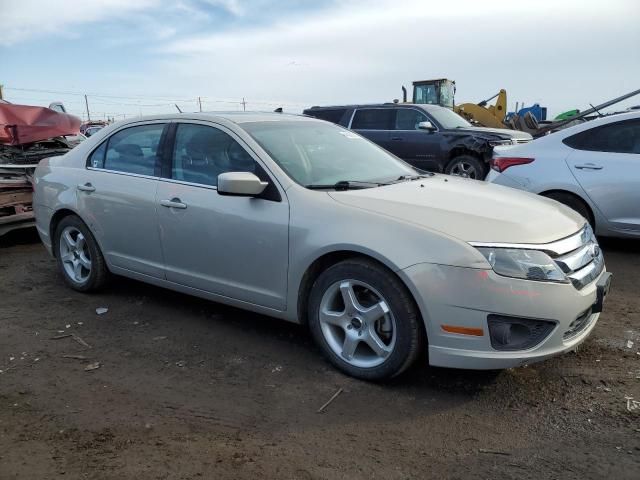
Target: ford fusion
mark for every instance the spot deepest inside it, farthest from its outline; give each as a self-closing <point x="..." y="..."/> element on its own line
<point x="303" y="220"/>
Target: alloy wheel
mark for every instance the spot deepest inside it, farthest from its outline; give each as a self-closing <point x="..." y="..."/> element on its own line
<point x="357" y="324"/>
<point x="464" y="169"/>
<point x="75" y="255"/>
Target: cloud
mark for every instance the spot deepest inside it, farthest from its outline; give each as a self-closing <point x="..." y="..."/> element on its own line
<point x="364" y="51"/>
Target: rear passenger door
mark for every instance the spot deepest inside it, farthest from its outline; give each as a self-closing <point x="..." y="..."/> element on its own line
<point x="116" y="197"/>
<point x="375" y="124"/>
<point x="420" y="148"/>
<point x="606" y="163"/>
<point x="236" y="247"/>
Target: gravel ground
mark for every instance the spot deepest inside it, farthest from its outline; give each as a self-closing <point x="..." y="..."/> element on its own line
<point x="191" y="389"/>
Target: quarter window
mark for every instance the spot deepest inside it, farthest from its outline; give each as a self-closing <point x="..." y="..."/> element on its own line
<point x="96" y="160"/>
<point x="202" y="153"/>
<point x="619" y="137"/>
<point x="132" y="150"/>
<point x="373" y="119"/>
<point x="408" y="119"/>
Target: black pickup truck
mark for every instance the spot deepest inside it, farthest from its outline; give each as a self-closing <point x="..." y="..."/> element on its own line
<point x="428" y="137"/>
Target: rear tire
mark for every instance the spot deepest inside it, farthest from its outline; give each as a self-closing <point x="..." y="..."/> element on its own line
<point x="466" y="166"/>
<point x="78" y="255"/>
<point x="573" y="202"/>
<point x="364" y="320"/>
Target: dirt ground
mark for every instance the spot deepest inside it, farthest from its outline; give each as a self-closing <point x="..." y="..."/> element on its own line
<point x="191" y="389"/>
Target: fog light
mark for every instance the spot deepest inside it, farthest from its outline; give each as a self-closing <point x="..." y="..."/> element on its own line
<point x="511" y="333"/>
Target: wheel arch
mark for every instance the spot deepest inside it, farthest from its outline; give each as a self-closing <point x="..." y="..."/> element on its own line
<point x="57" y="217"/>
<point x="329" y="259"/>
<point x="592" y="216"/>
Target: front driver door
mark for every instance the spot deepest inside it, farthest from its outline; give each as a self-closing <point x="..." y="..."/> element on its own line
<point x="232" y="246"/>
<point x="420" y="148"/>
<point x="606" y="162"/>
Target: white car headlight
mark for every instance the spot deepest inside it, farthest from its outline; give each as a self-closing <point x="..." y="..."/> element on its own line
<point x="521" y="263"/>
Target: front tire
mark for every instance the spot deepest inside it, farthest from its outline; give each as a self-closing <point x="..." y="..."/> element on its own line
<point x="78" y="256"/>
<point x="466" y="166"/>
<point x="364" y="320"/>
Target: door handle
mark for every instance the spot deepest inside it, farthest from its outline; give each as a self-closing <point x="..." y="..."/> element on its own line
<point x="173" y="203"/>
<point x="86" y="187"/>
<point x="396" y="139"/>
<point x="588" y="166"/>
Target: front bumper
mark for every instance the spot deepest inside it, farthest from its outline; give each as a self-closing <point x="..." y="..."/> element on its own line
<point x="465" y="297"/>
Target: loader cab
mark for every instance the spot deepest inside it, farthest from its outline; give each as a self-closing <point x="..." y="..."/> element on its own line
<point x="435" y="92"/>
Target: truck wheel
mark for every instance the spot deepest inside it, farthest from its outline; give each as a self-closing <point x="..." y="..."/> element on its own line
<point x="466" y="166"/>
<point x="78" y="255"/>
<point x="364" y="320"/>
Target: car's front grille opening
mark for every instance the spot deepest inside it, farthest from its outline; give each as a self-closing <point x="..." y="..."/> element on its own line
<point x="578" y="325"/>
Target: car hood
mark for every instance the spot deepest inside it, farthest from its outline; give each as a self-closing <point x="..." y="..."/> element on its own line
<point x="469" y="210"/>
<point x="503" y="132"/>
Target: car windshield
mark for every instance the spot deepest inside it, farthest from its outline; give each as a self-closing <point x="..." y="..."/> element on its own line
<point x="318" y="153"/>
<point x="448" y="118"/>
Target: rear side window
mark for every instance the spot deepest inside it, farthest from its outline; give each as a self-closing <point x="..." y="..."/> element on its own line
<point x="133" y="150"/>
<point x="619" y="137"/>
<point x="330" y="115"/>
<point x="96" y="160"/>
<point x="408" y="119"/>
<point x="202" y="153"/>
<point x="373" y="119"/>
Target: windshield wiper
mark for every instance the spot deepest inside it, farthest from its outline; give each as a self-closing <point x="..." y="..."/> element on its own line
<point x="402" y="178"/>
<point x="345" y="185"/>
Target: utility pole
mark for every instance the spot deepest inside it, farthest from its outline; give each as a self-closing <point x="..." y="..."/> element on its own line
<point x="200" y="103"/>
<point x="244" y="105"/>
<point x="86" y="102"/>
<point x="1" y="97"/>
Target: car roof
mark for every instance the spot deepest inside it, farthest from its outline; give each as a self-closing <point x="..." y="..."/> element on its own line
<point x="580" y="127"/>
<point x="424" y="106"/>
<point x="233" y="117"/>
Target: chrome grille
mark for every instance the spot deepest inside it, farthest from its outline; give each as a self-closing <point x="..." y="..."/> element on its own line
<point x="580" y="258"/>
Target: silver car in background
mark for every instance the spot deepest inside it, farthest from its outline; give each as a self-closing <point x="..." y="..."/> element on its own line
<point x="594" y="168"/>
<point x="303" y="220"/>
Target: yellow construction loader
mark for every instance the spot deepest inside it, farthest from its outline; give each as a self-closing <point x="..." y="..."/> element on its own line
<point x="442" y="91"/>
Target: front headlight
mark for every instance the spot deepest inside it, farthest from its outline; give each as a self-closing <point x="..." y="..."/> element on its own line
<point x="526" y="264"/>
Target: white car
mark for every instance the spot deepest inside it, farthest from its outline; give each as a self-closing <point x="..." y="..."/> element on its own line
<point x="593" y="168"/>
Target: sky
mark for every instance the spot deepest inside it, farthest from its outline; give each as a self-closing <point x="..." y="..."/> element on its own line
<point x="144" y="56"/>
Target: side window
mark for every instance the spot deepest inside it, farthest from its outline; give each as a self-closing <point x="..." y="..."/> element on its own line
<point x="619" y="137"/>
<point x="202" y="153"/>
<point x="96" y="160"/>
<point x="373" y="119"/>
<point x="408" y="119"/>
<point x="134" y="150"/>
<point x="333" y="115"/>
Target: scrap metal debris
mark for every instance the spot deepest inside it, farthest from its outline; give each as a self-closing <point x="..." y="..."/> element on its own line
<point x="80" y="341"/>
<point x="335" y="395"/>
<point x="632" y="405"/>
<point x="92" y="366"/>
<point x="27" y="135"/>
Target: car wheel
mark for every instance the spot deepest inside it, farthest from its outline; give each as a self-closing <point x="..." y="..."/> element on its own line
<point x="466" y="166"/>
<point x="78" y="255"/>
<point x="364" y="320"/>
<point x="574" y="203"/>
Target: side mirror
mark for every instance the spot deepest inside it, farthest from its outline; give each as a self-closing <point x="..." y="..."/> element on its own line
<point x="426" y="126"/>
<point x="243" y="184"/>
